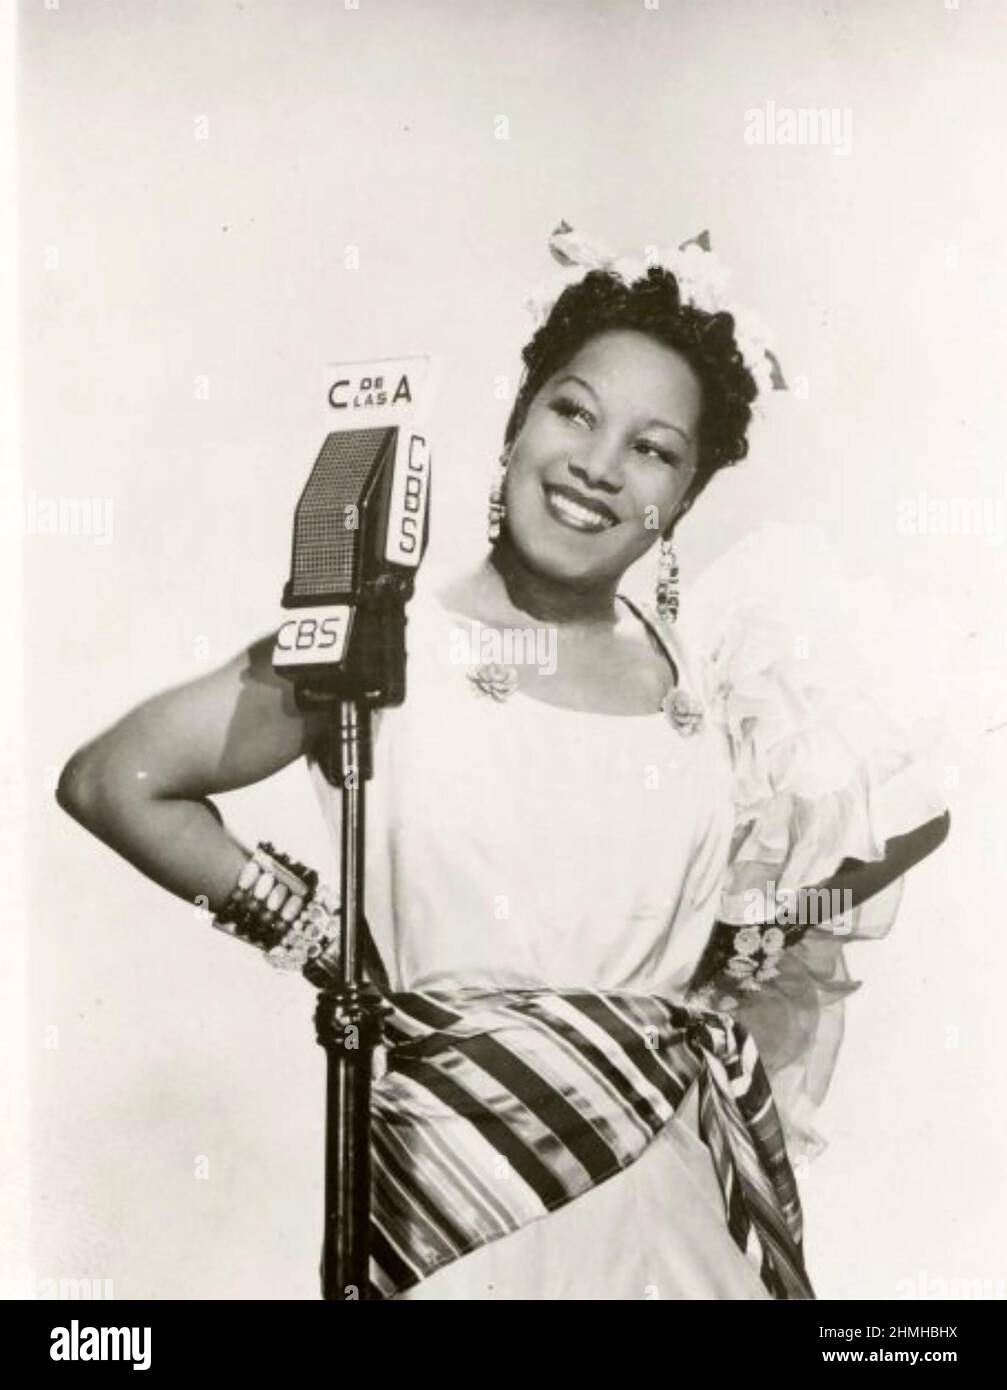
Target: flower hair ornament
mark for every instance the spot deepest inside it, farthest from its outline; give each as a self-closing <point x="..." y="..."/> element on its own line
<point x="702" y="283"/>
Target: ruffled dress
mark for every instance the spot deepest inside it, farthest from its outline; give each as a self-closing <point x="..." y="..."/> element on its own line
<point x="514" y="844"/>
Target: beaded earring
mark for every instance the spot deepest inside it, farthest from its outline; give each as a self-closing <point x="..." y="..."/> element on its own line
<point x="667" y="581"/>
<point x="497" y="508"/>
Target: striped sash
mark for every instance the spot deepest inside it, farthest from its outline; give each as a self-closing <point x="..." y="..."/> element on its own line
<point x="498" y="1107"/>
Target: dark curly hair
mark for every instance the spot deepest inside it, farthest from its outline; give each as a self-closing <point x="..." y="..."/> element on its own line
<point x="602" y="302"/>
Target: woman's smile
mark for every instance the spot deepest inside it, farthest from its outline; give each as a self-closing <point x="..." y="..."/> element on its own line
<point x="574" y="509"/>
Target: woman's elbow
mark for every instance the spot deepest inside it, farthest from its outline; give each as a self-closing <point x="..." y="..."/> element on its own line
<point x="938" y="830"/>
<point x="927" y="837"/>
<point x="904" y="851"/>
<point x="76" y="790"/>
<point x="93" y="787"/>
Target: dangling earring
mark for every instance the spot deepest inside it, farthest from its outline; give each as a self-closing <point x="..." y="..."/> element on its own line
<point x="497" y="509"/>
<point x="667" y="581"/>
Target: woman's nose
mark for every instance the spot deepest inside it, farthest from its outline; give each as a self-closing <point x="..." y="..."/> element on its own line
<point x="598" y="466"/>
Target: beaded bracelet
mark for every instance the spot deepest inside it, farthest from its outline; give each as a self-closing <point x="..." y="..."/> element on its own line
<point x="270" y="893"/>
<point x="742" y="958"/>
<point x="315" y="930"/>
<point x="279" y="906"/>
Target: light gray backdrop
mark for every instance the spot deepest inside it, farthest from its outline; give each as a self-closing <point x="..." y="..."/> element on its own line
<point x="218" y="198"/>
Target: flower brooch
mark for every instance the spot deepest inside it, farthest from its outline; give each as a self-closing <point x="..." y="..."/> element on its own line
<point x="493" y="680"/>
<point x="683" y="712"/>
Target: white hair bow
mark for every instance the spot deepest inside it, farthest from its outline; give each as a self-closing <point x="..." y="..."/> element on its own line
<point x="702" y="281"/>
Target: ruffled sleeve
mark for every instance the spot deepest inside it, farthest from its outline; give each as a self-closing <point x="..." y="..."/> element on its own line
<point x="821" y="773"/>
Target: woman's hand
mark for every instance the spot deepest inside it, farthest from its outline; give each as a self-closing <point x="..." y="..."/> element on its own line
<point x="142" y="786"/>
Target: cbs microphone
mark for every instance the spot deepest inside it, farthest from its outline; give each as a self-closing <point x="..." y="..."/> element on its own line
<point x="360" y="530"/>
<point x="361" y="527"/>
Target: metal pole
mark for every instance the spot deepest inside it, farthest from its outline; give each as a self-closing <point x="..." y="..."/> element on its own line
<point x="348" y="1024"/>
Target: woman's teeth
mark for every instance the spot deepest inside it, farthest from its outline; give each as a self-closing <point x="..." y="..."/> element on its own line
<point x="572" y="514"/>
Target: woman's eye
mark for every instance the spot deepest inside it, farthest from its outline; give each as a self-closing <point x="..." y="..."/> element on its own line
<point x="646" y="446"/>
<point x="572" y="410"/>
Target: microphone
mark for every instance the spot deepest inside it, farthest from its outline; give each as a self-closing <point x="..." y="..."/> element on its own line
<point x="360" y="530"/>
<point x="361" y="527"/>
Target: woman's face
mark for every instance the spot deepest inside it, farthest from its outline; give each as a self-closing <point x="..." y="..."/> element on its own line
<point x="603" y="459"/>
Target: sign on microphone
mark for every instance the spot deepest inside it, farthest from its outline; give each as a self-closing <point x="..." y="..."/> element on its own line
<point x="313" y="636"/>
<point x="407" y="506"/>
<point x="383" y="391"/>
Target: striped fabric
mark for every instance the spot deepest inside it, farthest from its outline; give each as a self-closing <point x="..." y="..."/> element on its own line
<point x="498" y="1107"/>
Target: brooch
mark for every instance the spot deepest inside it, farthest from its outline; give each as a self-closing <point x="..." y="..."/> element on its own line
<point x="493" y="680"/>
<point x="684" y="713"/>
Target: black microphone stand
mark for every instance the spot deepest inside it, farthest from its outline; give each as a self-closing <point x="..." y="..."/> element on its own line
<point x="348" y="1026"/>
<point x="350" y="1006"/>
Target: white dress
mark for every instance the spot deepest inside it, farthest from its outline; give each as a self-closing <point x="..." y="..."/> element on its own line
<point x="515" y="844"/>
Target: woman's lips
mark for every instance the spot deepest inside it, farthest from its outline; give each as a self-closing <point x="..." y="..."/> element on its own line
<point x="576" y="511"/>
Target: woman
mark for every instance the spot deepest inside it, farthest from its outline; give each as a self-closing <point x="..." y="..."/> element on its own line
<point x="576" y="816"/>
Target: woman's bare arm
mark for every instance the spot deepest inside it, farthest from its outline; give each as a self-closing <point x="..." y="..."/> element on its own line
<point x="852" y="884"/>
<point x="860" y="880"/>
<point x="142" y="786"/>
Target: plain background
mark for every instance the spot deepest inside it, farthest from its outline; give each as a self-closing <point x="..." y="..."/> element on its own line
<point x="207" y="173"/>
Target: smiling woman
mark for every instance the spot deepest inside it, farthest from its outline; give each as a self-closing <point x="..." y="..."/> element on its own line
<point x="608" y="449"/>
<point x="575" y="1105"/>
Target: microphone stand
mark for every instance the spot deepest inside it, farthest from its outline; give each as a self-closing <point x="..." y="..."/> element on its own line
<point x="348" y="1026"/>
<point x="350" y="1007"/>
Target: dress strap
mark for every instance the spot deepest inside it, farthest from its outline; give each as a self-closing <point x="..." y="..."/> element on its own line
<point x="655" y="631"/>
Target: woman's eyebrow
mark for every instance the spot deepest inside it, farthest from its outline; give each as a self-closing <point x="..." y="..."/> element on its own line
<point x="580" y="382"/>
<point x="667" y="425"/>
